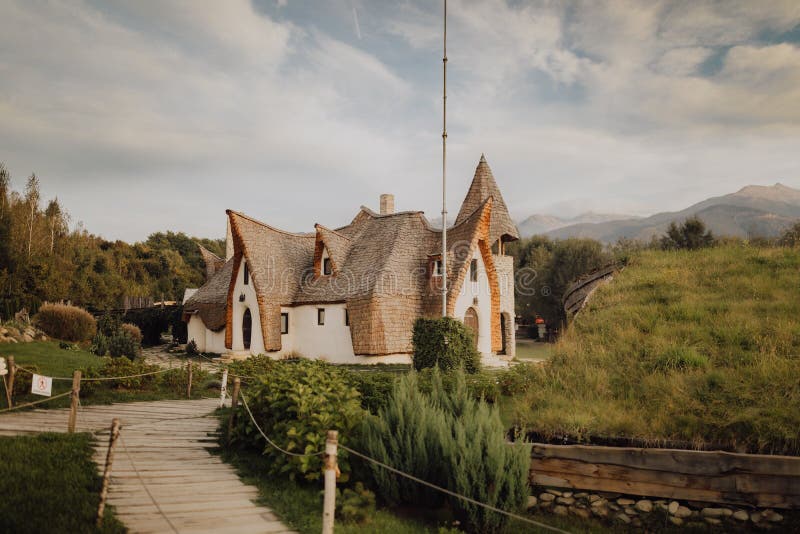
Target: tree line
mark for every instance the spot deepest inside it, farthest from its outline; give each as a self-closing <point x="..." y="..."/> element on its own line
<point x="43" y="259"/>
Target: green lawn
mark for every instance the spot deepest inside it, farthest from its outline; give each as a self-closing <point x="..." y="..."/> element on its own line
<point x="682" y="347"/>
<point x="49" y="483"/>
<point x="529" y="350"/>
<point x="51" y="360"/>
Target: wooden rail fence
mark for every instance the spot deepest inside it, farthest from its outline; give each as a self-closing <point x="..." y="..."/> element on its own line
<point x="717" y="477"/>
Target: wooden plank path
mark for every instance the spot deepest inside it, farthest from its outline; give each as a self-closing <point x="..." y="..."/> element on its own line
<point x="164" y="453"/>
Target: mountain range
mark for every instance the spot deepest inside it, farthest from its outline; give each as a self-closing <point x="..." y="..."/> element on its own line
<point x="753" y="211"/>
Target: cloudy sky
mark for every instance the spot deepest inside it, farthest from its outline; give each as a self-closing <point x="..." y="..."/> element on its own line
<point x="145" y="116"/>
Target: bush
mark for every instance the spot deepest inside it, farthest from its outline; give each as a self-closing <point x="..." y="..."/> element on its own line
<point x="23" y="380"/>
<point x="445" y="343"/>
<point x="296" y="407"/>
<point x="191" y="348"/>
<point x="252" y="366"/>
<point x="69" y="323"/>
<point x="690" y="235"/>
<point x="516" y="380"/>
<point x="133" y="332"/>
<point x="109" y="324"/>
<point x="354" y="505"/>
<point x="375" y="387"/>
<point x="100" y="344"/>
<point x="451" y="440"/>
<point x="121" y="344"/>
<point x="119" y="367"/>
<point x="178" y="380"/>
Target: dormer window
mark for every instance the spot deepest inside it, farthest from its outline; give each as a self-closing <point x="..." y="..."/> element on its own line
<point x="473" y="271"/>
<point x="327" y="268"/>
<point x="246" y="274"/>
<point x="437" y="268"/>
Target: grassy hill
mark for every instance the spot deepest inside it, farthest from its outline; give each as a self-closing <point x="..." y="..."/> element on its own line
<point x="700" y="348"/>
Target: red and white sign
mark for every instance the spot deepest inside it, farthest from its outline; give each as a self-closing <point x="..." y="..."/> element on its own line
<point x="42" y="385"/>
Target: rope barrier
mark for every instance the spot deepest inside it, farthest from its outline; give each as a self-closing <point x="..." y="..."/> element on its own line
<point x="102" y="377"/>
<point x="284" y="451"/>
<point x="452" y="493"/>
<point x="34" y="403"/>
<point x="146" y="489"/>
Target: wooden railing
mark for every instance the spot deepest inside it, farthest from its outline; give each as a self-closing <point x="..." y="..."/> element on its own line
<point x="718" y="477"/>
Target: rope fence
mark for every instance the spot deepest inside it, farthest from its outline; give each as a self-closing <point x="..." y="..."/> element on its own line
<point x="394" y="470"/>
<point x="34" y="403"/>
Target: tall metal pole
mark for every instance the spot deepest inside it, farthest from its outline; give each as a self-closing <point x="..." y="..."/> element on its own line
<point x="444" y="166"/>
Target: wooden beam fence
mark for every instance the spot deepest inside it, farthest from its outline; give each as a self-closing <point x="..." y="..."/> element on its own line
<point x="706" y="476"/>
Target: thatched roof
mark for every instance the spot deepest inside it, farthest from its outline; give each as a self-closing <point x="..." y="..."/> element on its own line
<point x="210" y="300"/>
<point x="484" y="186"/>
<point x="213" y="262"/>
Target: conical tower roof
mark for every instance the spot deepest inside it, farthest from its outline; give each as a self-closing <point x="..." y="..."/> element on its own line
<point x="483" y="186"/>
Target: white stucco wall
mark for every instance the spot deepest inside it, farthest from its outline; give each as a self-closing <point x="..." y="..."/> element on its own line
<point x="250" y="302"/>
<point x="206" y="340"/>
<point x="465" y="300"/>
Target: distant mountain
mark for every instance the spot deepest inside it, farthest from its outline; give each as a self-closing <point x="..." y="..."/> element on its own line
<point x="753" y="211"/>
<point x="540" y="224"/>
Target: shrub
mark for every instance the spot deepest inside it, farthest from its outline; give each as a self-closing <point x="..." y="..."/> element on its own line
<point x="445" y="343"/>
<point x="109" y="324"/>
<point x="69" y="323"/>
<point x="791" y="237"/>
<point x="296" y="407"/>
<point x="133" y="332"/>
<point x="690" y="235"/>
<point x="121" y="344"/>
<point x="516" y="380"/>
<point x="178" y="380"/>
<point x="112" y="367"/>
<point x="354" y="505"/>
<point x="451" y="440"/>
<point x="23" y="380"/>
<point x="253" y="366"/>
<point x="375" y="388"/>
<point x="191" y="348"/>
<point x="99" y="344"/>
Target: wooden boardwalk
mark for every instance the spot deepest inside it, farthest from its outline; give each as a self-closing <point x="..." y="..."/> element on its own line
<point x="163" y="456"/>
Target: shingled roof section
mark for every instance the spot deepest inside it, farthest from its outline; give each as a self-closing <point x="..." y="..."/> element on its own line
<point x="213" y="262"/>
<point x="484" y="186"/>
<point x="278" y="261"/>
<point x="210" y="301"/>
<point x="337" y="245"/>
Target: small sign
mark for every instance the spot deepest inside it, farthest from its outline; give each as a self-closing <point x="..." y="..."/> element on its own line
<point x="3" y="368"/>
<point x="42" y="385"/>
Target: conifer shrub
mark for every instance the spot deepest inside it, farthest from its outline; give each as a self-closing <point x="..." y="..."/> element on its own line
<point x="295" y="406"/>
<point x="451" y="440"/>
<point x="61" y="321"/>
<point x="445" y="343"/>
<point x="121" y="344"/>
<point x="133" y="332"/>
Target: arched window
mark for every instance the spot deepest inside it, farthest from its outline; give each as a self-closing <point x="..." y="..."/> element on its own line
<point x="247" y="328"/>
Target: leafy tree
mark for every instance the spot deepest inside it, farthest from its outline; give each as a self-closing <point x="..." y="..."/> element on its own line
<point x="690" y="235"/>
<point x="791" y="237"/>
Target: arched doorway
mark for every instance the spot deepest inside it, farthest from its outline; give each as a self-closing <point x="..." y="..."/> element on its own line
<point x="247" y="328"/>
<point x="471" y="321"/>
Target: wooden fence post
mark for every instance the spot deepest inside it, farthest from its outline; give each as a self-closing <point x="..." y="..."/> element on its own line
<point x="329" y="500"/>
<point x="237" y="382"/>
<point x="189" y="375"/>
<point x="74" y="398"/>
<point x="112" y="441"/>
<point x="12" y="371"/>
<point x="223" y="387"/>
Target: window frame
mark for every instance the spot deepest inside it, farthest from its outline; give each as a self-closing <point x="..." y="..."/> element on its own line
<point x="346" y="317"/>
<point x="320" y="316"/>
<point x="284" y="321"/>
<point x="246" y="274"/>
<point x="473" y="270"/>
<point x="327" y="266"/>
<point x="436" y="267"/>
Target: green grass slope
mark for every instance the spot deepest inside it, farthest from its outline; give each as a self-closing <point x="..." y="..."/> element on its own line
<point x="701" y="348"/>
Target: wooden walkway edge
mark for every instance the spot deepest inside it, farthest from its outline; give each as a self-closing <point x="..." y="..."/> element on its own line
<point x="163" y="453"/>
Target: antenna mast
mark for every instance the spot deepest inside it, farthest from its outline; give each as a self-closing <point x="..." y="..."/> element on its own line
<point x="444" y="166"/>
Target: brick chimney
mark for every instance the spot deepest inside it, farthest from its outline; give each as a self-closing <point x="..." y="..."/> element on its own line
<point x="387" y="204"/>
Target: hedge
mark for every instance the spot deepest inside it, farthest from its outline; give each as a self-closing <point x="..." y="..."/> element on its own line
<point x="445" y="343"/>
